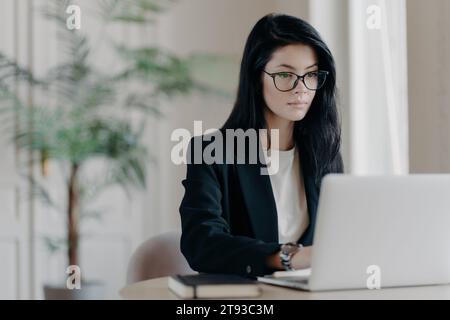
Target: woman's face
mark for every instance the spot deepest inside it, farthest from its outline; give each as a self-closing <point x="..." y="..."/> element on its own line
<point x="292" y="105"/>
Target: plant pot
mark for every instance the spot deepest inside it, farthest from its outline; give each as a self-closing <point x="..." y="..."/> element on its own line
<point x="94" y="290"/>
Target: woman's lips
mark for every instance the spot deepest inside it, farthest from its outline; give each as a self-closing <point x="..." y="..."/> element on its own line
<point x="298" y="104"/>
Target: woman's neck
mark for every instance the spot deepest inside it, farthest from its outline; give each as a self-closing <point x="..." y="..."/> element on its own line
<point x="286" y="131"/>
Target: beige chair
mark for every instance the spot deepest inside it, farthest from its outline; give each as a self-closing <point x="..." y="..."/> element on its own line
<point x="158" y="256"/>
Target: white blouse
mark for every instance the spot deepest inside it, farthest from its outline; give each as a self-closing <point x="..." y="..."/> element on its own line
<point x="290" y="198"/>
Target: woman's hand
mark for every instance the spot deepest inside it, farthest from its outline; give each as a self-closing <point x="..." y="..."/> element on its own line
<point x="302" y="258"/>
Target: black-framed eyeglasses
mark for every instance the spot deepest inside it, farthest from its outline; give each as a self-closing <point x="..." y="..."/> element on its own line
<point x="286" y="81"/>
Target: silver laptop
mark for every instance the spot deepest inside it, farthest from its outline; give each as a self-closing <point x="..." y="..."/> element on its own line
<point x="377" y="232"/>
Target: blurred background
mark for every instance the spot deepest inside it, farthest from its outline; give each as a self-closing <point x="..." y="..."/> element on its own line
<point x="90" y="94"/>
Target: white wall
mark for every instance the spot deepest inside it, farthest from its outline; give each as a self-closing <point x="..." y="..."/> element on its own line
<point x="16" y="255"/>
<point x="429" y="85"/>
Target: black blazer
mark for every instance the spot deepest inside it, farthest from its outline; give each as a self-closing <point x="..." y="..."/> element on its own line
<point x="229" y="217"/>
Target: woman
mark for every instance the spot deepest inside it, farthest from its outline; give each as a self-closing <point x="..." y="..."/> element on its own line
<point x="236" y="220"/>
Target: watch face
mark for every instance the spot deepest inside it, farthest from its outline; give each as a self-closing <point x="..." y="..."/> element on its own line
<point x="289" y="248"/>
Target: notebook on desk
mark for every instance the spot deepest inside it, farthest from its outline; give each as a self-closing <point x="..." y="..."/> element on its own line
<point x="205" y="285"/>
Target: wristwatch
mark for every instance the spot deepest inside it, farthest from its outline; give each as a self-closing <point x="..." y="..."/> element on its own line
<point x="287" y="250"/>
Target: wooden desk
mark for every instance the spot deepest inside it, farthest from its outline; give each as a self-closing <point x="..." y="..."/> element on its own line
<point x="156" y="289"/>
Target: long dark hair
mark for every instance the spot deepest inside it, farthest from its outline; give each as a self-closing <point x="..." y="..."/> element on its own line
<point x="318" y="135"/>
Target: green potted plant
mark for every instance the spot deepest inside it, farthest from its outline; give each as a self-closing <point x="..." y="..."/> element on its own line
<point x="85" y="119"/>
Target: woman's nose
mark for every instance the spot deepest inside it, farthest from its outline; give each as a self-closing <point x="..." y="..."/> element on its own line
<point x="300" y="87"/>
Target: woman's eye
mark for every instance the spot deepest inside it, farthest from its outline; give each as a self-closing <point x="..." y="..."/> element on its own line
<point x="284" y="75"/>
<point x="312" y="75"/>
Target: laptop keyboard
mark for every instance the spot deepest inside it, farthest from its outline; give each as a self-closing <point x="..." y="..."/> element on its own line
<point x="293" y="282"/>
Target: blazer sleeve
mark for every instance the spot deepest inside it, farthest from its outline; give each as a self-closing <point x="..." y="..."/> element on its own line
<point x="206" y="241"/>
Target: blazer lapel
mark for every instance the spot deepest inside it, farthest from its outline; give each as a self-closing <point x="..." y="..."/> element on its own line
<point x="259" y="200"/>
<point x="311" y="199"/>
